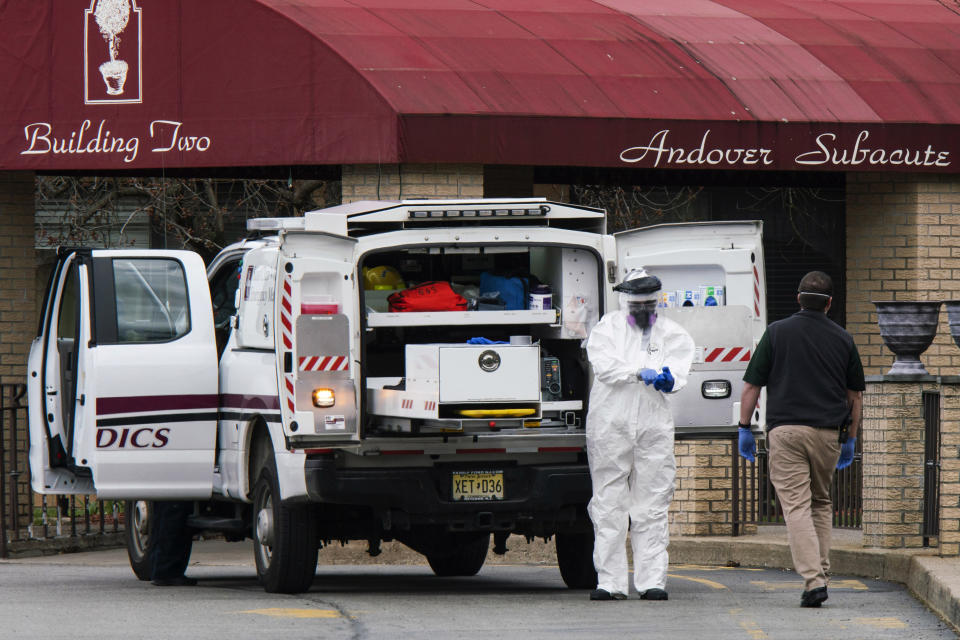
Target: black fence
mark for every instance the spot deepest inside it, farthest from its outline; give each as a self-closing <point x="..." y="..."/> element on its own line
<point x="755" y="499"/>
<point x="931" y="466"/>
<point x="28" y="520"/>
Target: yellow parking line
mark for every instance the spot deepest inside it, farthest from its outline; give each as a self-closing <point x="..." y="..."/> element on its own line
<point x="277" y="612"/>
<point x="753" y="629"/>
<point x="709" y="583"/>
<point x="854" y="585"/>
<point x="703" y="567"/>
<point x="883" y="623"/>
<point x="749" y="625"/>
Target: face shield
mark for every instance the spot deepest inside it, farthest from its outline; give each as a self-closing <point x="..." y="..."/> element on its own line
<point x="639" y="293"/>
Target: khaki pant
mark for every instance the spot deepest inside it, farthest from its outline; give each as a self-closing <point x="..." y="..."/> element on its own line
<point x="802" y="461"/>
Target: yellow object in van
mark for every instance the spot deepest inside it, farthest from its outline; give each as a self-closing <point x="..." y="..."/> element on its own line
<point x="497" y="413"/>
<point x="382" y="278"/>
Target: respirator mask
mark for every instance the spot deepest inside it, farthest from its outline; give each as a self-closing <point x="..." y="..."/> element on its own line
<point x="642" y="313"/>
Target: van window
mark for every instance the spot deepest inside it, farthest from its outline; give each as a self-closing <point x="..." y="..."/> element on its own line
<point x="151" y="296"/>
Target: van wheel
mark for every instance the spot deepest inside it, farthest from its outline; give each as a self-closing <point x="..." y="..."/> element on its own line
<point x="575" y="557"/>
<point x="139" y="541"/>
<point x="284" y="538"/>
<point x="465" y="559"/>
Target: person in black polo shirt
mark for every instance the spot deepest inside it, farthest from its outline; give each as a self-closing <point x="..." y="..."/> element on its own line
<point x="814" y="379"/>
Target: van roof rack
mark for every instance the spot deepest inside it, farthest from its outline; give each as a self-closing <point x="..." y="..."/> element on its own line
<point x="366" y="217"/>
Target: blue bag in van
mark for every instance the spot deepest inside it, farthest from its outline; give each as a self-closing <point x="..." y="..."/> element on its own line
<point x="513" y="291"/>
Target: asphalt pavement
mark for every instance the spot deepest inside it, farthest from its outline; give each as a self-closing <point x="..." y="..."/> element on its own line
<point x="933" y="580"/>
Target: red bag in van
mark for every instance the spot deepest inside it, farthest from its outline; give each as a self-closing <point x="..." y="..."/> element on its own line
<point x="429" y="296"/>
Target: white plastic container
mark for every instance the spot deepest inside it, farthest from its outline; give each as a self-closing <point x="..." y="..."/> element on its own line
<point x="540" y="298"/>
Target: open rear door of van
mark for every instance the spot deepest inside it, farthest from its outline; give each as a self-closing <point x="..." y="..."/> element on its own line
<point x="714" y="286"/>
<point x="123" y="386"/>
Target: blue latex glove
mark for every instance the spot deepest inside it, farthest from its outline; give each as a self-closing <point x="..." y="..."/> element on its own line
<point x="481" y="340"/>
<point x="748" y="446"/>
<point x="846" y="453"/>
<point x="647" y="375"/>
<point x="664" y="381"/>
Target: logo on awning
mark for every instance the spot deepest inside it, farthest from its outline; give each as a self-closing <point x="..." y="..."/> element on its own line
<point x="112" y="52"/>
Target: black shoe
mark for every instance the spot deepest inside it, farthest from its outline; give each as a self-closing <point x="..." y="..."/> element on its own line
<point x="654" y="594"/>
<point x="182" y="581"/>
<point x="603" y="594"/>
<point x="813" y="598"/>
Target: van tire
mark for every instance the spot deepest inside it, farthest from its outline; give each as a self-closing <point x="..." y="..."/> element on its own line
<point x="466" y="559"/>
<point x="575" y="557"/>
<point x="286" y="557"/>
<point x="137" y="534"/>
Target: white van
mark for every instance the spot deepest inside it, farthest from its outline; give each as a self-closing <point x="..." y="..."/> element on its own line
<point x="375" y="371"/>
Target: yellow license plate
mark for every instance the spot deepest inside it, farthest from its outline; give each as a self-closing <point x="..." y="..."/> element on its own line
<point x="477" y="485"/>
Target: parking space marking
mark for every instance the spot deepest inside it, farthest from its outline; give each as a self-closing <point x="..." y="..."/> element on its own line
<point x="853" y="585"/>
<point x="704" y="567"/>
<point x="749" y="625"/>
<point x="278" y="612"/>
<point x="882" y="623"/>
<point x="709" y="583"/>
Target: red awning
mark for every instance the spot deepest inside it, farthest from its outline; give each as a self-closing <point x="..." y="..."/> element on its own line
<point x="723" y="84"/>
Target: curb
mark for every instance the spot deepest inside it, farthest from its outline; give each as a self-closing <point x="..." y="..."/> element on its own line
<point x="64" y="544"/>
<point x="935" y="582"/>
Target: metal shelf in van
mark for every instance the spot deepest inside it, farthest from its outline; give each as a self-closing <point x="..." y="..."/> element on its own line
<point x="446" y="318"/>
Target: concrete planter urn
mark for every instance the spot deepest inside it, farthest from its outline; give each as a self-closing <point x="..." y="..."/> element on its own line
<point x="953" y="318"/>
<point x="907" y="328"/>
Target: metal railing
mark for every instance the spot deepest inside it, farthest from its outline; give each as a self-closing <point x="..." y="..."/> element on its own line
<point x="931" y="466"/>
<point x="28" y="520"/>
<point x="755" y="499"/>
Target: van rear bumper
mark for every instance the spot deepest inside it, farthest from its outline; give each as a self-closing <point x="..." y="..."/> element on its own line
<point x="537" y="494"/>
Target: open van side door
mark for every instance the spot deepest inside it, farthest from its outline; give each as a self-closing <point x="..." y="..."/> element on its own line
<point x="123" y="386"/>
<point x="714" y="286"/>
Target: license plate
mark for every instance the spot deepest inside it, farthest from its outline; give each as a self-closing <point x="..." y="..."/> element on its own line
<point x="477" y="485"/>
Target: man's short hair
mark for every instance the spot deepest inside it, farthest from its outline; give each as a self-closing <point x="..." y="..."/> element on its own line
<point x="816" y="289"/>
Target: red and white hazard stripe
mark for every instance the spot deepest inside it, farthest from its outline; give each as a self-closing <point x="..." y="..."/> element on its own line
<point x="726" y="354"/>
<point x="286" y="336"/>
<point x="406" y="404"/>
<point x="429" y="405"/>
<point x="324" y="363"/>
<point x="756" y="291"/>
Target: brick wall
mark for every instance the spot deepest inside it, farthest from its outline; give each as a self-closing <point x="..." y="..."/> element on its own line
<point x="17" y="266"/>
<point x="950" y="469"/>
<point x="893" y="463"/>
<point x="703" y="500"/>
<point x="903" y="243"/>
<point x="395" y="182"/>
<point x="17" y="320"/>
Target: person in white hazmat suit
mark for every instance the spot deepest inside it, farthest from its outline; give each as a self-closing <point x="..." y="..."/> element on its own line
<point x="637" y="358"/>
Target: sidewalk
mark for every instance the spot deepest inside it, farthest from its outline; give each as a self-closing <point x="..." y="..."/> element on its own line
<point x="935" y="581"/>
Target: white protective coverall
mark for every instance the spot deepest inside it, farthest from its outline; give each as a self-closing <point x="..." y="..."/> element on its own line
<point x="630" y="447"/>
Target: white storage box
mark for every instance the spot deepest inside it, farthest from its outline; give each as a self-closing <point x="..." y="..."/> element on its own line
<point x="475" y="373"/>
